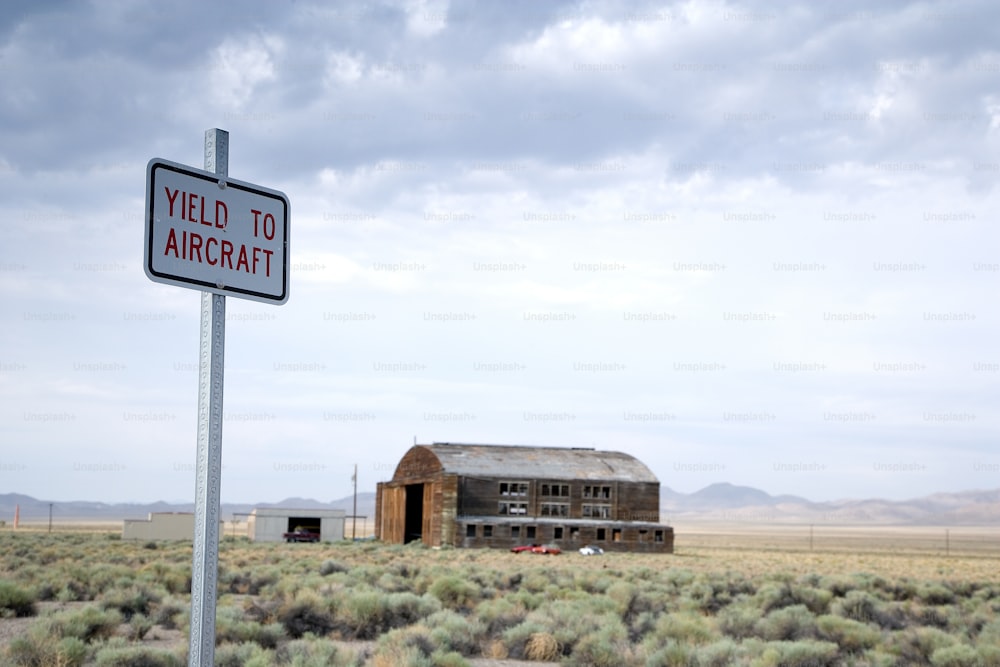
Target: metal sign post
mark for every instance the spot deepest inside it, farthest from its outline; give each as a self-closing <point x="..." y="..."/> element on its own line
<point x="222" y="236"/>
<point x="208" y="472"/>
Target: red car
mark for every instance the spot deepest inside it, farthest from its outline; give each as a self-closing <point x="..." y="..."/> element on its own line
<point x="537" y="549"/>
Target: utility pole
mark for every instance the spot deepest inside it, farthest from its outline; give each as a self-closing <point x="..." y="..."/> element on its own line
<point x="50" y="517"/>
<point x="354" y="512"/>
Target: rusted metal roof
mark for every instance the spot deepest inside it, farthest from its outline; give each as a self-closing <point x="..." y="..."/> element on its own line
<point x="524" y="462"/>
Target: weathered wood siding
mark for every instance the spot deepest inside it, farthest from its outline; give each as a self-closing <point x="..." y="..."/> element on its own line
<point x="638" y="501"/>
<point x="390" y="520"/>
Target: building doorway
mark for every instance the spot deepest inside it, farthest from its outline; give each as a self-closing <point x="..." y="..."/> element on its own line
<point x="413" y="526"/>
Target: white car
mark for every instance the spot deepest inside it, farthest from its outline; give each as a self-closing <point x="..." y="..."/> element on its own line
<point x="591" y="550"/>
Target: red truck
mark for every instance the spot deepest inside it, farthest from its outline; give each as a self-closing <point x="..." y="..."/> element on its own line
<point x="301" y="535"/>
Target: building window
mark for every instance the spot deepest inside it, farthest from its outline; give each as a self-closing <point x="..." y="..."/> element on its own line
<point x="487" y="531"/>
<point x="658" y="536"/>
<point x="642" y="535"/>
<point x="529" y="532"/>
<point x="554" y="509"/>
<point x="555" y="490"/>
<point x="512" y="508"/>
<point x="515" y="531"/>
<point x="574" y="534"/>
<point x="513" y="488"/>
<point x="596" y="511"/>
<point x="616" y="535"/>
<point x="597" y="492"/>
<point x="602" y="534"/>
<point x="470" y="530"/>
<point x="557" y="533"/>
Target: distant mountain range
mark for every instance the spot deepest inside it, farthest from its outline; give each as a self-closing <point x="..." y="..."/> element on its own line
<point x="33" y="509"/>
<point x="722" y="503"/>
<point x="746" y="505"/>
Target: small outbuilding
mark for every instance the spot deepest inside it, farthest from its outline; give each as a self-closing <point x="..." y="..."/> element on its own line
<point x="160" y="526"/>
<point x="269" y="524"/>
<point x="467" y="495"/>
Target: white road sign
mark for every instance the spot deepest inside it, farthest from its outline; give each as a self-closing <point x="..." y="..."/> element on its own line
<point x="215" y="234"/>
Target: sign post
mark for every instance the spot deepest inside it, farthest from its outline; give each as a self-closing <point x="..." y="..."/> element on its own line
<point x="208" y="467"/>
<point x="225" y="237"/>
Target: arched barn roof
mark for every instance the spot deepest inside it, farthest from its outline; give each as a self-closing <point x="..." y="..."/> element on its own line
<point x="517" y="461"/>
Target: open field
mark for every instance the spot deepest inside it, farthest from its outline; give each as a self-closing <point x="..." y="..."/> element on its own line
<point x="896" y="597"/>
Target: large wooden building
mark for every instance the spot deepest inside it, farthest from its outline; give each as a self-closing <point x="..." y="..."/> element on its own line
<point x="501" y="496"/>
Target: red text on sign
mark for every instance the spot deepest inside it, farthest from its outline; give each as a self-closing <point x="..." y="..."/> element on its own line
<point x="192" y="208"/>
<point x="192" y="246"/>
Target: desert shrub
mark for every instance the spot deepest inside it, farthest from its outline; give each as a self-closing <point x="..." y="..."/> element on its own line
<point x="106" y="576"/>
<point x="247" y="582"/>
<point x="679" y="578"/>
<point x="515" y="639"/>
<point x="89" y="624"/>
<point x="15" y="601"/>
<point x="449" y="659"/>
<point x="685" y="628"/>
<point x="404" y="647"/>
<point x="37" y="649"/>
<point x="989" y="655"/>
<point x="569" y="621"/>
<point x="673" y="654"/>
<point x="709" y="597"/>
<point x="129" y="602"/>
<point x="624" y="594"/>
<point x="916" y="645"/>
<point x="311" y="652"/>
<point x="265" y="636"/>
<point x="788" y="623"/>
<point x="932" y="617"/>
<point x="774" y="595"/>
<point x="541" y="647"/>
<point x="306" y="614"/>
<point x="859" y="606"/>
<point x="392" y="583"/>
<point x="608" y="647"/>
<point x="242" y="655"/>
<point x="452" y="632"/>
<point x="806" y="653"/>
<point x="136" y="656"/>
<point x="454" y="592"/>
<point x="499" y="614"/>
<point x="366" y="613"/>
<point x="890" y="616"/>
<point x="167" y="613"/>
<point x="535" y="581"/>
<point x="816" y="600"/>
<point x="231" y="626"/>
<point x="935" y="594"/>
<point x="958" y="655"/>
<point x="739" y="621"/>
<point x="402" y="609"/>
<point x="850" y="635"/>
<point x="330" y="566"/>
<point x="73" y="591"/>
<point x="719" y="654"/>
<point x="991" y="632"/>
<point x="838" y="585"/>
<point x="138" y="626"/>
<point x="527" y="599"/>
<point x="362" y="614"/>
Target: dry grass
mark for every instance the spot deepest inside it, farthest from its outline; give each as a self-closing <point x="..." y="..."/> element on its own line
<point x="542" y="647"/>
<point x="720" y="599"/>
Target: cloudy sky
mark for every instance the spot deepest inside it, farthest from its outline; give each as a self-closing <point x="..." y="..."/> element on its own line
<point x="745" y="242"/>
